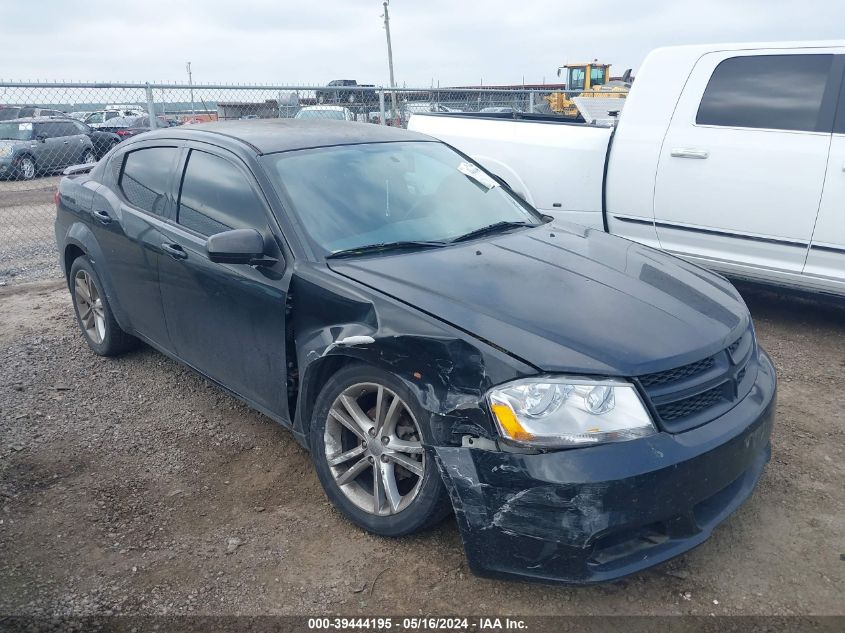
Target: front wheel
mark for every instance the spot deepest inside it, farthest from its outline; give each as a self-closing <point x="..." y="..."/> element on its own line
<point x="26" y="168"/>
<point x="366" y="440"/>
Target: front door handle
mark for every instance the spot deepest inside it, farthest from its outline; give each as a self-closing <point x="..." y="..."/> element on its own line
<point x="175" y="251"/>
<point x="102" y="217"/>
<point x="688" y="152"/>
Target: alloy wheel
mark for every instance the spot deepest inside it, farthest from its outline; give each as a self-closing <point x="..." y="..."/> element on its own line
<point x="27" y="167"/>
<point x="89" y="305"/>
<point x="88" y="158"/>
<point x="374" y="450"/>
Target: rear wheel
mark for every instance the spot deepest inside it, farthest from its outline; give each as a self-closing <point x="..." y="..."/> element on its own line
<point x="88" y="157"/>
<point x="93" y="312"/>
<point x="366" y="439"/>
<point x="26" y="168"/>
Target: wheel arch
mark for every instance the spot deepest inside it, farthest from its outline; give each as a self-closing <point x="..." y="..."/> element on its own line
<point x="80" y="241"/>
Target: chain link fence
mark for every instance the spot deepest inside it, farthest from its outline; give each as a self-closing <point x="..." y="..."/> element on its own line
<point x="46" y="127"/>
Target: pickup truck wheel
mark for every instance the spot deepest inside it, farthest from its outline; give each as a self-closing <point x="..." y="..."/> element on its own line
<point x="93" y="312"/>
<point x="26" y="169"/>
<point x="367" y="449"/>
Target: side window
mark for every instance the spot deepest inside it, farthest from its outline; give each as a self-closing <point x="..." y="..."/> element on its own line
<point x="111" y="114"/>
<point x="96" y="117"/>
<point x="779" y="92"/>
<point x="216" y="197"/>
<point x="67" y="128"/>
<point x="26" y="112"/>
<point x="146" y="176"/>
<point x="47" y="130"/>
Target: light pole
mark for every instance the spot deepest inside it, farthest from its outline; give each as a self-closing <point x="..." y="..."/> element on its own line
<point x="191" y="84"/>
<point x="390" y="59"/>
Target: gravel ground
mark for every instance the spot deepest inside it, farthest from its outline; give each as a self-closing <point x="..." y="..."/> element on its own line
<point x="133" y="485"/>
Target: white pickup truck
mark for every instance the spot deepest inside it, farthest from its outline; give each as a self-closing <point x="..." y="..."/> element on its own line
<point x="732" y="156"/>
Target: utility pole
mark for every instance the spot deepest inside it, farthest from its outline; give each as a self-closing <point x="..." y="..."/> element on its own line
<point x="191" y="84"/>
<point x="390" y="58"/>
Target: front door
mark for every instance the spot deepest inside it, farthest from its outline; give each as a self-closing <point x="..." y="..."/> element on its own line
<point x="226" y="320"/>
<point x="743" y="162"/>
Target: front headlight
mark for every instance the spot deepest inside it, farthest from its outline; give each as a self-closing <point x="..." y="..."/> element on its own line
<point x="560" y="411"/>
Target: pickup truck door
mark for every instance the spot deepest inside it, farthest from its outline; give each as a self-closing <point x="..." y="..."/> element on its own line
<point x="825" y="265"/>
<point x="742" y="165"/>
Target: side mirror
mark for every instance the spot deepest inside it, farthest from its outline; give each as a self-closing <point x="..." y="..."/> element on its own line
<point x="238" y="246"/>
<point x="41" y="138"/>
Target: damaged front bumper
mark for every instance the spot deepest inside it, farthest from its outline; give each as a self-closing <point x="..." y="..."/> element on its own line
<point x="598" y="513"/>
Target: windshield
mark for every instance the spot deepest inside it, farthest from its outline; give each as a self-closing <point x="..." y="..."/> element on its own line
<point x="353" y="196"/>
<point x="320" y="114"/>
<point x="16" y="131"/>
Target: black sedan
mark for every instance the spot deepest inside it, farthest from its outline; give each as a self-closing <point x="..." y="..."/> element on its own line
<point x="127" y="126"/>
<point x="587" y="406"/>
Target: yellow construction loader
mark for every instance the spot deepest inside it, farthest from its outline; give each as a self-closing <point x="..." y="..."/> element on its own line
<point x="592" y="80"/>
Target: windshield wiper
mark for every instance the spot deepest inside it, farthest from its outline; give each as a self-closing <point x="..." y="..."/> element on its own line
<point x="492" y="228"/>
<point x="383" y="247"/>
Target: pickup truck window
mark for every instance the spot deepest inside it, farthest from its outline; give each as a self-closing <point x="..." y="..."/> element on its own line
<point x="778" y="92"/>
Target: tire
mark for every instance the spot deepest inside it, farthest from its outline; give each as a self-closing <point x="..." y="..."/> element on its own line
<point x="349" y="482"/>
<point x="26" y="169"/>
<point x="93" y="312"/>
<point x="88" y="157"/>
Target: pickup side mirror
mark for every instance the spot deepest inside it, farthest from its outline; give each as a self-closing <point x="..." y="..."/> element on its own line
<point x="238" y="246"/>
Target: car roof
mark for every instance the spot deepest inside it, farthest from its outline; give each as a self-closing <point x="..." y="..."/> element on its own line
<point x="39" y="119"/>
<point x="267" y="136"/>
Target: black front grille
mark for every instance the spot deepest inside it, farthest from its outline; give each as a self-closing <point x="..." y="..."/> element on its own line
<point x="678" y="373"/>
<point x="693" y="394"/>
<point x="688" y="406"/>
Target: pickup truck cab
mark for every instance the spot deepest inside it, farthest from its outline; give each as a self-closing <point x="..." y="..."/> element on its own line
<point x="731" y="156"/>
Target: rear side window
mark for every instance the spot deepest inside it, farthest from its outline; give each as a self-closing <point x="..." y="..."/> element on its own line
<point x="779" y="92"/>
<point x="146" y="177"/>
<point x="217" y="197"/>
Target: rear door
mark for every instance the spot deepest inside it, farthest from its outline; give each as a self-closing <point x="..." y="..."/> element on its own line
<point x="226" y="320"/>
<point x="825" y="267"/>
<point x="128" y="220"/>
<point x="742" y="165"/>
<point x="49" y="148"/>
<point x="73" y="143"/>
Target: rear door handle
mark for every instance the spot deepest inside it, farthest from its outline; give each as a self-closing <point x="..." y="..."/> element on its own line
<point x="175" y="251"/>
<point x="688" y="152"/>
<point x="102" y="217"/>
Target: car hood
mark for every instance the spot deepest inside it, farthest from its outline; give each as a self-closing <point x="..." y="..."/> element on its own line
<point x="565" y="298"/>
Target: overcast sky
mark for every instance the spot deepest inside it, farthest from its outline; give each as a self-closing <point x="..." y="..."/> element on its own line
<point x="311" y="42"/>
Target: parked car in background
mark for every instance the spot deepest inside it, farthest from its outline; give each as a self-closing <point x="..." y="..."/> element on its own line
<point x="7" y="113"/>
<point x="29" y="147"/>
<point x="589" y="406"/>
<point x="126" y="126"/>
<point x="730" y="156"/>
<point x="498" y="110"/>
<point x="327" y="112"/>
<point x="101" y="140"/>
<point x="79" y="115"/>
<point x="101" y="118"/>
<point x="349" y="95"/>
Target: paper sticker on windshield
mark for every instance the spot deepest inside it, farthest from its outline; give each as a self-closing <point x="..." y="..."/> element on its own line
<point x="477" y="175"/>
<point x="24" y="126"/>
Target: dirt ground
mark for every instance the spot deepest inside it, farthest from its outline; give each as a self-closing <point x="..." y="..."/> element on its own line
<point x="133" y="485"/>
